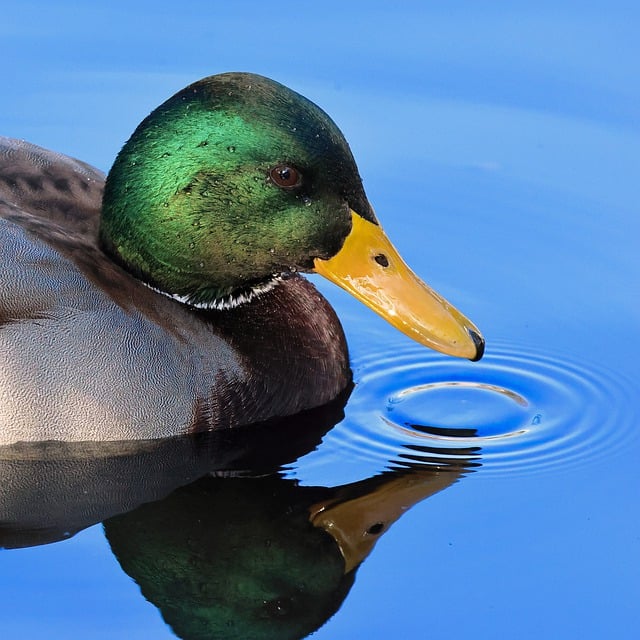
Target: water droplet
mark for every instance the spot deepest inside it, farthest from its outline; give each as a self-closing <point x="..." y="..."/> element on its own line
<point x="279" y="607"/>
<point x="306" y="200"/>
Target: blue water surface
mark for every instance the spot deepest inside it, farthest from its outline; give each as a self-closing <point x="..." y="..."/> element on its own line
<point x="500" y="147"/>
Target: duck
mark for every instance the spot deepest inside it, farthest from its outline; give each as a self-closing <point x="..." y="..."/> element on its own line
<point x="168" y="297"/>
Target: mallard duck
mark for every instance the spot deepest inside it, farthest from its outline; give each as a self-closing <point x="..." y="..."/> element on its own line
<point x="172" y="302"/>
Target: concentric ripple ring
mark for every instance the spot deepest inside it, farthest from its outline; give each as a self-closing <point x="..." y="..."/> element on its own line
<point x="514" y="411"/>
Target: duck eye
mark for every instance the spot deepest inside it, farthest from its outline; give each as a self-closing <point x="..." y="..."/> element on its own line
<point x="285" y="177"/>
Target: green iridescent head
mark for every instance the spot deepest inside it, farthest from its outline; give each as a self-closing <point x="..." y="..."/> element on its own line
<point x="234" y="179"/>
<point x="237" y="179"/>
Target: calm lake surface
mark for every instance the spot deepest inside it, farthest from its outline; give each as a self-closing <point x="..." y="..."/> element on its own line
<point x="498" y="499"/>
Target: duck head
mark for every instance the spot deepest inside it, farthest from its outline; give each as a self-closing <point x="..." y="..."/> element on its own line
<point x="237" y="181"/>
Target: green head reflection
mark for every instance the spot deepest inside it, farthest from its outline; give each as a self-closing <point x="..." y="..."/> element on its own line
<point x="233" y="558"/>
<point x="260" y="558"/>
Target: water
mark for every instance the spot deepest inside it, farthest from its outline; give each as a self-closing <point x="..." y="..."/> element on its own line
<point x="524" y="410"/>
<point x="494" y="499"/>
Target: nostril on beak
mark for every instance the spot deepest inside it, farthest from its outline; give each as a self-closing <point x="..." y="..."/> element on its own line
<point x="382" y="260"/>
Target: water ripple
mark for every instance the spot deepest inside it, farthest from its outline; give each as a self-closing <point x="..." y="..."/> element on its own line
<point x="515" y="411"/>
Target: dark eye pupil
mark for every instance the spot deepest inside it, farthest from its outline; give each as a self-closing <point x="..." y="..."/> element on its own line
<point x="284" y="176"/>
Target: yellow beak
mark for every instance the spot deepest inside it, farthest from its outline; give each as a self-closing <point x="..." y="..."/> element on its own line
<point x="351" y="519"/>
<point x="369" y="267"/>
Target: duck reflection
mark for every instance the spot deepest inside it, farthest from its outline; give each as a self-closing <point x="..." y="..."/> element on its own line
<point x="217" y="539"/>
<point x="51" y="490"/>
<point x="234" y="557"/>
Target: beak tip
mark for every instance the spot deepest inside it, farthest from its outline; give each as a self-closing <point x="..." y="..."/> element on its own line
<point x="478" y="340"/>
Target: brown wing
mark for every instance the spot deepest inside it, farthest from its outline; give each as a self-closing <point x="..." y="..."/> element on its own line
<point x="50" y="187"/>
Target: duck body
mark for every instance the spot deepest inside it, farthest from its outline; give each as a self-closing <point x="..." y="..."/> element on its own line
<point x="165" y="299"/>
<point x="88" y="352"/>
